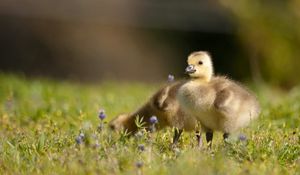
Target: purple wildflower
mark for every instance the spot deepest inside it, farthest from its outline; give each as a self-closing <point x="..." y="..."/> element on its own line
<point x="171" y="78"/>
<point x="242" y="137"/>
<point x="141" y="147"/>
<point x="139" y="164"/>
<point x="102" y="115"/>
<point x="153" y="120"/>
<point x="78" y="140"/>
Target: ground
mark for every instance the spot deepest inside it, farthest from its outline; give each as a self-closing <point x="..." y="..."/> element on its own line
<point x="41" y="122"/>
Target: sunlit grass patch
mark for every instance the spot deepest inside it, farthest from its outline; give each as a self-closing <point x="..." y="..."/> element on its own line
<point x="49" y="127"/>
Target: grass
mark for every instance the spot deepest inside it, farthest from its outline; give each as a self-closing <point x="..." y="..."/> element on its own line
<point x="40" y="119"/>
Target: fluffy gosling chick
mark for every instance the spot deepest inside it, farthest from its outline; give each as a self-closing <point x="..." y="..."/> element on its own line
<point x="219" y="103"/>
<point x="164" y="105"/>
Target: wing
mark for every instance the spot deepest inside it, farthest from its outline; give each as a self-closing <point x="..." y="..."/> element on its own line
<point x="160" y="98"/>
<point x="223" y="99"/>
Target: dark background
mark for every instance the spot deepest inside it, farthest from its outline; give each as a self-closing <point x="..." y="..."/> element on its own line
<point x="139" y="40"/>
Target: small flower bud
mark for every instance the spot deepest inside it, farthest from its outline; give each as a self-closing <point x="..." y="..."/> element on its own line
<point x="153" y="120"/>
<point x="242" y="137"/>
<point x="141" y="147"/>
<point x="102" y="115"/>
<point x="78" y="140"/>
<point x="139" y="164"/>
<point x="171" y="78"/>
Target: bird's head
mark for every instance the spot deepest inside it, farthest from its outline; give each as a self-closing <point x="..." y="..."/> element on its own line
<point x="200" y="65"/>
<point x="119" y="122"/>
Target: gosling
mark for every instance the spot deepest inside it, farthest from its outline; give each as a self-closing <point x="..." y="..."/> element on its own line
<point x="164" y="105"/>
<point x="219" y="103"/>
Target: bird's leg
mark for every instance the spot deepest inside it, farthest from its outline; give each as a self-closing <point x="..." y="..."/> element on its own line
<point x="176" y="137"/>
<point x="225" y="136"/>
<point x="199" y="138"/>
<point x="209" y="137"/>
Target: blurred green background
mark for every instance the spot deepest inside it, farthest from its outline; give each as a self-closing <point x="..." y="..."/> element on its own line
<point x="139" y="40"/>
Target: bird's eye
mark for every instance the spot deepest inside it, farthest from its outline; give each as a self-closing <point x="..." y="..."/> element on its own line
<point x="200" y="62"/>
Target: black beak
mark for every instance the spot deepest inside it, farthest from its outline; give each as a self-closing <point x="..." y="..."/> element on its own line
<point x="190" y="69"/>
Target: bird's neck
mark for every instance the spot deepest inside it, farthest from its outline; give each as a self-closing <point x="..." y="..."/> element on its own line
<point x="203" y="79"/>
